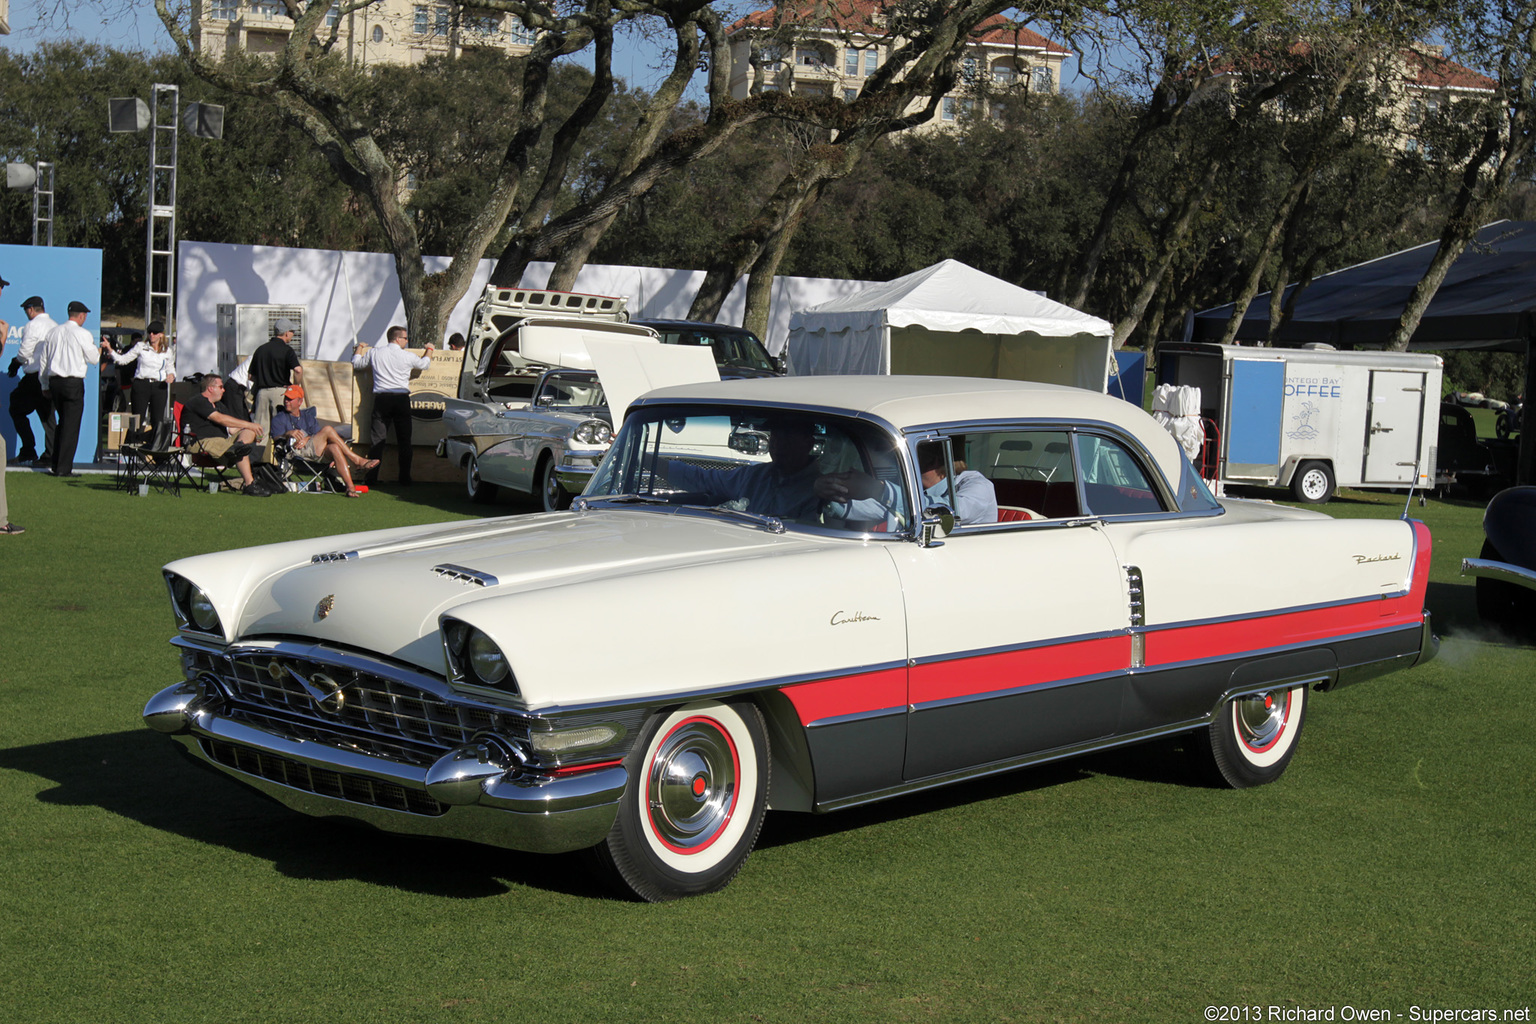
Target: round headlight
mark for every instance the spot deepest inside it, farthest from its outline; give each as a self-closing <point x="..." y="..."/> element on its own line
<point x="594" y="432"/>
<point x="200" y="608"/>
<point x="485" y="659"/>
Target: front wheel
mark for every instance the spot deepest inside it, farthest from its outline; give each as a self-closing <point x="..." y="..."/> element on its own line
<point x="554" y="497"/>
<point x="1313" y="483"/>
<point x="698" y="789"/>
<point x="479" y="491"/>
<point x="1251" y="740"/>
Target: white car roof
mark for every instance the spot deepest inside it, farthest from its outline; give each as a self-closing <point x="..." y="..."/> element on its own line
<point x="911" y="401"/>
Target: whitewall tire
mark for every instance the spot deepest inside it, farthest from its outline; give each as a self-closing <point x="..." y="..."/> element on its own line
<point x="698" y="789"/>
<point x="1252" y="739"/>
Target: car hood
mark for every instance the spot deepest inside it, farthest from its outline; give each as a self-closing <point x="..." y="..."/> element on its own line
<point x="537" y="584"/>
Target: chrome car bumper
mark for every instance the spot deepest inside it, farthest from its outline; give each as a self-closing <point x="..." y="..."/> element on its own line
<point x="576" y="468"/>
<point x="1487" y="568"/>
<point x="476" y="792"/>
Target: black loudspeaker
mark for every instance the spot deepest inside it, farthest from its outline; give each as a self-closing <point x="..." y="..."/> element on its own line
<point x="204" y="120"/>
<point x="127" y="115"/>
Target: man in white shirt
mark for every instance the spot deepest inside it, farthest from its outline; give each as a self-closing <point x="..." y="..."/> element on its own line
<point x="68" y="351"/>
<point x="28" y="397"/>
<point x="392" y="364"/>
<point x="7" y="528"/>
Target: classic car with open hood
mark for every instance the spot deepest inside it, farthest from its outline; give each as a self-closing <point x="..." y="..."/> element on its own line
<point x="800" y="594"/>
<point x="532" y="414"/>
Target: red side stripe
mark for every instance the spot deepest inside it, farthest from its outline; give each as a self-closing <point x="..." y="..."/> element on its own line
<point x="989" y="673"/>
<point x="848" y="695"/>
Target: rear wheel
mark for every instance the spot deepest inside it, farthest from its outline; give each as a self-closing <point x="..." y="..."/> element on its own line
<point x="1313" y="483"/>
<point x="554" y="497"/>
<point x="698" y="789"/>
<point x="1251" y="740"/>
<point x="479" y="490"/>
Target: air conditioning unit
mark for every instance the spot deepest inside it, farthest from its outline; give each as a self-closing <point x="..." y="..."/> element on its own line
<point x="245" y="327"/>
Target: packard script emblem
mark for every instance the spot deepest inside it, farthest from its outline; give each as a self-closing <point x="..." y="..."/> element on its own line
<point x="324" y="607"/>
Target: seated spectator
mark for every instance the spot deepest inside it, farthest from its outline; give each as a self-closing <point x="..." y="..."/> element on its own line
<point x="313" y="440"/>
<point x="222" y="436"/>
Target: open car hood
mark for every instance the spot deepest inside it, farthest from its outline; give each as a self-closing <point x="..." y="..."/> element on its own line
<point x="628" y="370"/>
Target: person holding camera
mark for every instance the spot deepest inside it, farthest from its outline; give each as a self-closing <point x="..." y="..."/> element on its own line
<point x="152" y="375"/>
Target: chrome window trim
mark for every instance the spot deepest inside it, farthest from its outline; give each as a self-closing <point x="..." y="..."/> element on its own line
<point x="1167" y="496"/>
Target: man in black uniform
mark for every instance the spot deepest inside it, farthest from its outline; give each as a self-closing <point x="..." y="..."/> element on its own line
<point x="274" y="366"/>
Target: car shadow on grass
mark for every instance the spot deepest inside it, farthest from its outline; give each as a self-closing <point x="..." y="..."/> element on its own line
<point x="146" y="778"/>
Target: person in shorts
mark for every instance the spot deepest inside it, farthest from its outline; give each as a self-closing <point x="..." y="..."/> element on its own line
<point x="314" y="440"/>
<point x="218" y="434"/>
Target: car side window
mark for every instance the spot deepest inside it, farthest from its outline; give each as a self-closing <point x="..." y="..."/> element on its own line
<point x="1114" y="482"/>
<point x="1031" y="471"/>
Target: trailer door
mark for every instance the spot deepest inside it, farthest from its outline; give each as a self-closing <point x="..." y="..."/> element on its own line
<point x="1394" y="424"/>
<point x="1255" y="406"/>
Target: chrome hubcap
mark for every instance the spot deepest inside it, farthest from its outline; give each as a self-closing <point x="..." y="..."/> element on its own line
<point x="691" y="791"/>
<point x="1261" y="718"/>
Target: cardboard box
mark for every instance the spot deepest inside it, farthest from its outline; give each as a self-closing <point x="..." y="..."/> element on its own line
<point x="119" y="424"/>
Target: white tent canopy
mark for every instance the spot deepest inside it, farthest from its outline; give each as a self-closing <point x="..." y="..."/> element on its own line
<point x="952" y="319"/>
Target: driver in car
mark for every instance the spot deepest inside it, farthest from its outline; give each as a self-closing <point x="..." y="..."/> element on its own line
<point x="785" y="486"/>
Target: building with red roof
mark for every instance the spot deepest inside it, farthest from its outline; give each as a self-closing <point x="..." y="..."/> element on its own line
<point x="831" y="49"/>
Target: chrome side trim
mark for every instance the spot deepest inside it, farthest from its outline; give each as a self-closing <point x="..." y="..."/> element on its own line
<point x="332" y="556"/>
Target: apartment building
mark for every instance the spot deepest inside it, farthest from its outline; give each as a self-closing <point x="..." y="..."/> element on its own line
<point x="387" y="32"/>
<point x="832" y="50"/>
<point x="1413" y="84"/>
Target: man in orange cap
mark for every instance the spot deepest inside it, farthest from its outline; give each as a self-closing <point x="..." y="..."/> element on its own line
<point x="314" y="440"/>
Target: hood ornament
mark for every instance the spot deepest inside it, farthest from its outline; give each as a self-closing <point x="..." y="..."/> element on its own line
<point x="324" y="607"/>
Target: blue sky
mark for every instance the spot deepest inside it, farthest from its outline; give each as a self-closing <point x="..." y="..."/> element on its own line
<point x="141" y="30"/>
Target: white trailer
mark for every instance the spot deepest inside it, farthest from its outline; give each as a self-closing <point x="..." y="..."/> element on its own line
<point x="1313" y="419"/>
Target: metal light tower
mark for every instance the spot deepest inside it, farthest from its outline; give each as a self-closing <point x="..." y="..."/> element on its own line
<point x="164" y="118"/>
<point x="19" y="176"/>
<point x="160" y="242"/>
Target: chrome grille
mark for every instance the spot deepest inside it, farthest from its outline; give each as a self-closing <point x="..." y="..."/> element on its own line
<point x="322" y="781"/>
<point x="397" y="718"/>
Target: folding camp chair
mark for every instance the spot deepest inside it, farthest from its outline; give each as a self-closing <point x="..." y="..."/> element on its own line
<point x="301" y="473"/>
<point x="162" y="463"/>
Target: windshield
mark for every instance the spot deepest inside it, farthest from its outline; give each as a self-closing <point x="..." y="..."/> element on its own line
<point x="571" y="390"/>
<point x="733" y="347"/>
<point x="802" y="468"/>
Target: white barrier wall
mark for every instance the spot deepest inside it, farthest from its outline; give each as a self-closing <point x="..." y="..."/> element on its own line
<point x="354" y="296"/>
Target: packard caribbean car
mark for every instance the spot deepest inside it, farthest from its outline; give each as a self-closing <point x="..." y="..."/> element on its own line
<point x="887" y="584"/>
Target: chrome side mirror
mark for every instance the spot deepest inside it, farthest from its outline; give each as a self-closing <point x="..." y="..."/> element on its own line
<point x="938" y="523"/>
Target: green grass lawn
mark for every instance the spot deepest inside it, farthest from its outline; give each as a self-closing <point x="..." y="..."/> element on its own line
<point x="1392" y="867"/>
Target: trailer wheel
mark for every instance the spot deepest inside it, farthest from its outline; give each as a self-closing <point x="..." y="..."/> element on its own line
<point x="1313" y="483"/>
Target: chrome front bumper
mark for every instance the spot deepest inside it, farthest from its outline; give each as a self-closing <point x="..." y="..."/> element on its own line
<point x="574" y="470"/>
<point x="476" y="792"/>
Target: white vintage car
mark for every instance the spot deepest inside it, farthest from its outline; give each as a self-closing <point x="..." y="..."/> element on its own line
<point x="887" y="584"/>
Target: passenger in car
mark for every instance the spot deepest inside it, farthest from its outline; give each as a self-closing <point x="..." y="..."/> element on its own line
<point x="858" y="496"/>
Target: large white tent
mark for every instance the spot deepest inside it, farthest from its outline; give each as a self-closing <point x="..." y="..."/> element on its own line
<point x="952" y="319"/>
